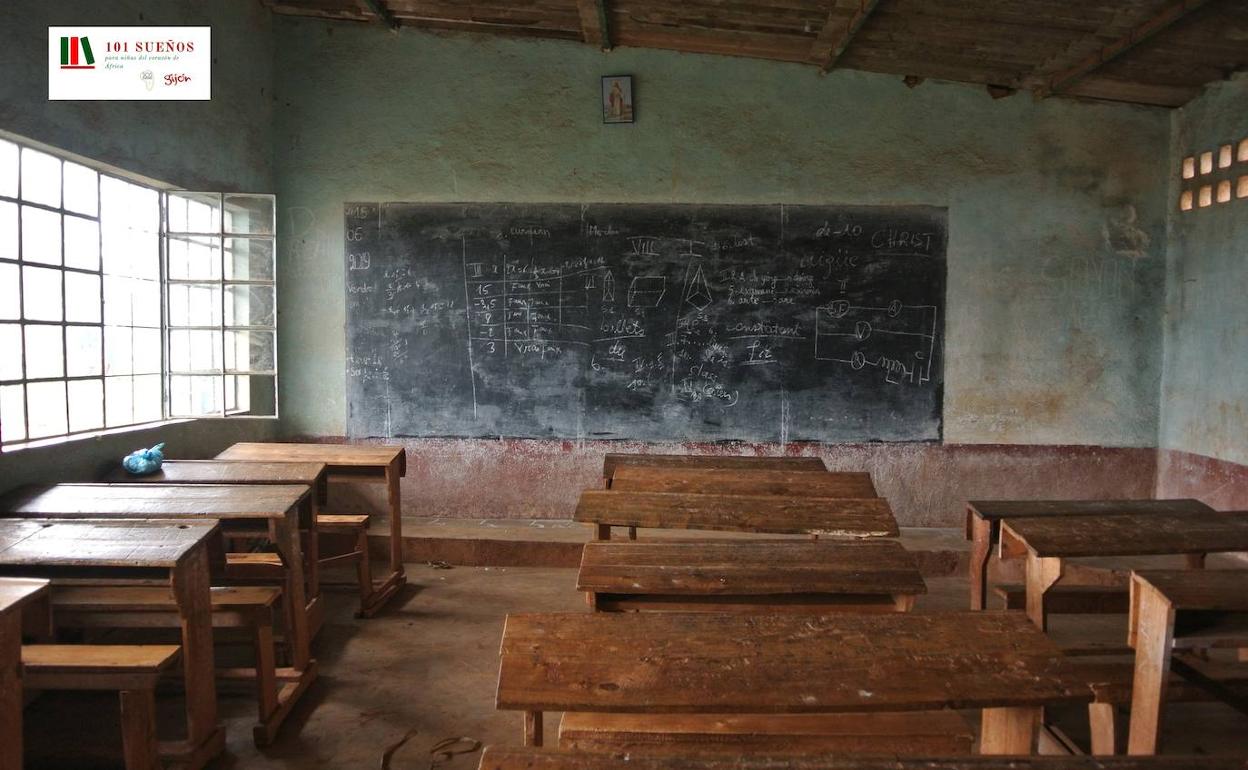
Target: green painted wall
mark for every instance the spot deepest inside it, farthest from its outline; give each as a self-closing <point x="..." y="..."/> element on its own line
<point x="1205" y="386"/>
<point x="1057" y="209"/>
<point x="224" y="144"/>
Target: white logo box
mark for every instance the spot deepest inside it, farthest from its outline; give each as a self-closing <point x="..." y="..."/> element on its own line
<point x="130" y="63"/>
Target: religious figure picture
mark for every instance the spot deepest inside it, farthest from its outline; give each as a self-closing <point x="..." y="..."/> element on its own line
<point x="617" y="99"/>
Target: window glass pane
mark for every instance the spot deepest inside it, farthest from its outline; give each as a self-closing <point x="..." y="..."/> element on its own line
<point x="194" y="396"/>
<point x="8" y="230"/>
<point x="249" y="214"/>
<point x="192" y="350"/>
<point x="128" y="205"/>
<point x="194" y="257"/>
<point x="12" y="413"/>
<point x="82" y="351"/>
<point x="82" y="243"/>
<point x="41" y="178"/>
<point x="118" y="358"/>
<point x="249" y="351"/>
<point x="86" y="405"/>
<point x="81" y="189"/>
<point x="82" y="297"/>
<point x="45" y="356"/>
<point x="118" y="300"/>
<point x="194" y="305"/>
<point x="10" y="292"/>
<point x="148" y="404"/>
<point x="130" y="252"/>
<point x="249" y="306"/>
<point x="41" y="293"/>
<point x="10" y="352"/>
<point x="46" y="408"/>
<point x="249" y="259"/>
<point x="41" y="236"/>
<point x="146" y="351"/>
<point x="146" y="303"/>
<point x="118" y="401"/>
<point x="194" y="212"/>
<point x="8" y="169"/>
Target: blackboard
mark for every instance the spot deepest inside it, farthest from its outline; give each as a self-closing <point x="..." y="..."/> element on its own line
<point x="648" y="322"/>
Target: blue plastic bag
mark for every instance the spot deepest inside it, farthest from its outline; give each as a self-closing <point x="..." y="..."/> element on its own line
<point x="141" y="462"/>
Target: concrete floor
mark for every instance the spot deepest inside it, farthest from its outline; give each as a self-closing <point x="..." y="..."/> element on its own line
<point x="430" y="663"/>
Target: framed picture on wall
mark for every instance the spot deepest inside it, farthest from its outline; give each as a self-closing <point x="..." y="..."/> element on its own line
<point x="617" y="99"/>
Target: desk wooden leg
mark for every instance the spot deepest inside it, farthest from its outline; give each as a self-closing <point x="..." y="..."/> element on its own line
<point x="11" y="691"/>
<point x="396" y="520"/>
<point x="138" y="730"/>
<point x="532" y="728"/>
<point x="1102" y="721"/>
<point x="981" y="548"/>
<point x="602" y="531"/>
<point x="1009" y="730"/>
<point x="190" y="591"/>
<point x="285" y="535"/>
<point x="1154" y="634"/>
<point x="903" y="602"/>
<point x="1042" y="573"/>
<point x="632" y="533"/>
<point x="1196" y="560"/>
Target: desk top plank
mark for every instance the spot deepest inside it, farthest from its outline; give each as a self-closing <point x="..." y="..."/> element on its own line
<point x="1223" y="590"/>
<point x="15" y="593"/>
<point x="994" y="510"/>
<point x="715" y="663"/>
<point x="837" y="517"/>
<point x="219" y="501"/>
<point x="742" y="567"/>
<point x="225" y="472"/>
<point x="1132" y="534"/>
<point x="348" y="455"/>
<point x="100" y="543"/>
<point x="615" y="460"/>
<point x="724" y="481"/>
<point x="530" y="758"/>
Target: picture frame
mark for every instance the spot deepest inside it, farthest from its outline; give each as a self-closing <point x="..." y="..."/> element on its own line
<point x="618" y="105"/>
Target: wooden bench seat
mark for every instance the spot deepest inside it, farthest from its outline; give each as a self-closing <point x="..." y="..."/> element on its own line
<point x="720" y="481"/>
<point x="344" y="540"/>
<point x="1070" y="600"/>
<point x="131" y="670"/>
<point x="243" y="607"/>
<point x="918" y="733"/>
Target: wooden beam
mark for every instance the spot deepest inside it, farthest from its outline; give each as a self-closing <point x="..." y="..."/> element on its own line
<point x="594" y="23"/>
<point x="1058" y="81"/>
<point x="383" y="14"/>
<point x="836" y="35"/>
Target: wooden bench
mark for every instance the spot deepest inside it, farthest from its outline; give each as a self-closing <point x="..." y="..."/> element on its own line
<point x="249" y="608"/>
<point x="517" y="758"/>
<point x="932" y="733"/>
<point x="131" y="670"/>
<point x="614" y="460"/>
<point x="836" y="517"/>
<point x="334" y="529"/>
<point x="711" y="481"/>
<point x="750" y="576"/>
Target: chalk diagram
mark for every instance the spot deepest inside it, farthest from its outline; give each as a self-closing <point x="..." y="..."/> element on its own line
<point x="898" y="339"/>
<point x="697" y="291"/>
<point x="647" y="290"/>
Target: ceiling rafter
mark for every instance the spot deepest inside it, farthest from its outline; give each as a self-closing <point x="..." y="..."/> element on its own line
<point x="837" y="33"/>
<point x="1056" y="82"/>
<point x="595" y="25"/>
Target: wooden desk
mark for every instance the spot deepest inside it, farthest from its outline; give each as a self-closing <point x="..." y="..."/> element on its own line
<point x="750" y="576"/>
<point x="695" y="663"/>
<point x="517" y="758"/>
<point x="1049" y="542"/>
<point x="271" y="511"/>
<point x="838" y="517"/>
<point x="1161" y="601"/>
<point x="348" y="462"/>
<point x="169" y="552"/>
<point x="615" y="460"/>
<point x="240" y="472"/>
<point x="983" y="524"/>
<point x="15" y="595"/>
<point x="720" y="481"/>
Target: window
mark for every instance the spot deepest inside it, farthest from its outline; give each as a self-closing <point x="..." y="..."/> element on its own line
<point x="87" y="331"/>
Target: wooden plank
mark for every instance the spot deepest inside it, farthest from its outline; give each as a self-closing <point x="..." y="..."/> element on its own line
<point x="517" y="758"/>
<point x="1223" y="590"/>
<point x="595" y="25"/>
<point x="16" y="593"/>
<point x="346" y="455"/>
<point x="150" y="543"/>
<point x="226" y="472"/>
<point x="218" y="501"/>
<point x="842" y="517"/>
<point x="837" y="33"/>
<point x="1132" y="534"/>
<point x="994" y="510"/>
<point x="743" y="567"/>
<point x="696" y="663"/>
<point x="743" y="482"/>
<point x="615" y="460"/>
